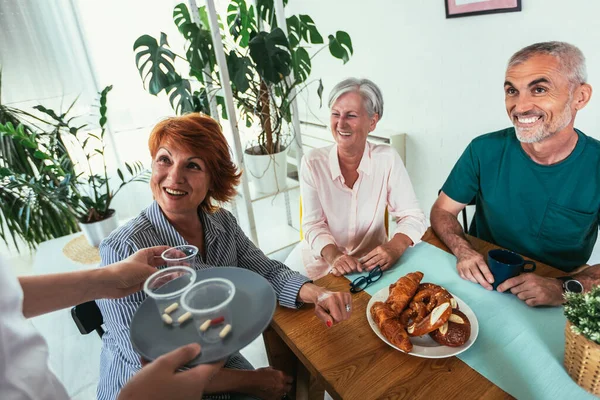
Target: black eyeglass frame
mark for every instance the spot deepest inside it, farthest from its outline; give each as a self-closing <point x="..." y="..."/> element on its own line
<point x="356" y="285"/>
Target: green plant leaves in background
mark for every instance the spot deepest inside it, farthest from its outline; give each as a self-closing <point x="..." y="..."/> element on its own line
<point x="271" y="55"/>
<point x="199" y="52"/>
<point x="241" y="21"/>
<point x="302" y="28"/>
<point x="154" y="62"/>
<point x="301" y="64"/>
<point x="340" y="46"/>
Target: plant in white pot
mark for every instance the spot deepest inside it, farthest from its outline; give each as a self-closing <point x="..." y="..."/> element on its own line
<point x="260" y="57"/>
<point x="94" y="190"/>
<point x="582" y="339"/>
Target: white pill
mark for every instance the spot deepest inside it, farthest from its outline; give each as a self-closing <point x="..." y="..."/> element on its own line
<point x="184" y="317"/>
<point x="205" y="325"/>
<point x="167" y="319"/>
<point x="225" y="331"/>
<point x="171" y="308"/>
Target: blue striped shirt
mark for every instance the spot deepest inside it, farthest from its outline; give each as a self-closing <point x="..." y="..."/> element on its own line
<point x="226" y="245"/>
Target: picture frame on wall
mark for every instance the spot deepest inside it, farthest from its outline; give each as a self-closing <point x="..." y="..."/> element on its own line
<point x="467" y="8"/>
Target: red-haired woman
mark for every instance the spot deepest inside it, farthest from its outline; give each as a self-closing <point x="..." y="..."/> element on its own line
<point x="192" y="172"/>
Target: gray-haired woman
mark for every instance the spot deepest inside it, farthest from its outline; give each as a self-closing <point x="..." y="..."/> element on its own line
<point x="346" y="189"/>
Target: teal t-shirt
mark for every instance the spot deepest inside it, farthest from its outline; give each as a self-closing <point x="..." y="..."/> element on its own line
<point x="549" y="213"/>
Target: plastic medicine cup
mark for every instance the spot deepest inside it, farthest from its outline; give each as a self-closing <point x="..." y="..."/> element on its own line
<point x="180" y="255"/>
<point x="209" y="302"/>
<point x="166" y="287"/>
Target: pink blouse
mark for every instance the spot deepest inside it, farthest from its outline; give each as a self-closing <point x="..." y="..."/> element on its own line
<point x="353" y="219"/>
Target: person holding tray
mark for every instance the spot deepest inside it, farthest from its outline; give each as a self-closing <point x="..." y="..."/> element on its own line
<point x="24" y="369"/>
<point x="192" y="172"/>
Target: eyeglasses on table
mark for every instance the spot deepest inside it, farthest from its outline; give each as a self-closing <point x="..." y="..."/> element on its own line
<point x="361" y="283"/>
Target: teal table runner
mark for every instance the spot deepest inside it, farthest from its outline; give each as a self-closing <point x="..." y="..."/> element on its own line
<point x="520" y="349"/>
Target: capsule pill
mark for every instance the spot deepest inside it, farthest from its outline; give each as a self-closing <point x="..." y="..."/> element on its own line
<point x="184" y="317"/>
<point x="167" y="319"/>
<point x="171" y="308"/>
<point x="225" y="331"/>
<point x="205" y="325"/>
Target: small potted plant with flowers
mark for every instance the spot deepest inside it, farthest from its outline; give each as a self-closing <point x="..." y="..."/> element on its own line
<point x="582" y="338"/>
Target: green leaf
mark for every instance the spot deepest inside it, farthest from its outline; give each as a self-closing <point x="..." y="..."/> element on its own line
<point x="180" y="95"/>
<point x="221" y="102"/>
<point x="301" y="64"/>
<point x="340" y="46"/>
<point x="241" y="22"/>
<point x="199" y="49"/>
<point x="120" y="174"/>
<point x="154" y="62"/>
<point x="240" y="71"/>
<point x="129" y="168"/>
<point x="271" y="55"/>
<point x="40" y="155"/>
<point x="309" y="31"/>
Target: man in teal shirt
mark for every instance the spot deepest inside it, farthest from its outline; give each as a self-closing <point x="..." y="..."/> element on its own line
<point x="537" y="185"/>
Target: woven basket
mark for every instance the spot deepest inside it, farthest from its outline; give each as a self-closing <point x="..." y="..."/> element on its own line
<point x="582" y="360"/>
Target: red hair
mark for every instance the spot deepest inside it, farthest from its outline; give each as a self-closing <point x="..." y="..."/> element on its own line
<point x="202" y="135"/>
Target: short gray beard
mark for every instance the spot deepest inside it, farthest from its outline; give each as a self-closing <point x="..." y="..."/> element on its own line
<point x="541" y="134"/>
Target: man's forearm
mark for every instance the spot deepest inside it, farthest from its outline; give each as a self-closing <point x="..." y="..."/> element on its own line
<point x="589" y="277"/>
<point x="47" y="293"/>
<point x="448" y="229"/>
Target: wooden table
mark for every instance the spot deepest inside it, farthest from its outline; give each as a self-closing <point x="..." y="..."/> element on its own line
<point x="351" y="362"/>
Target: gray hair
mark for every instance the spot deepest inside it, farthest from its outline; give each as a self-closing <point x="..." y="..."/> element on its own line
<point x="370" y="93"/>
<point x="571" y="59"/>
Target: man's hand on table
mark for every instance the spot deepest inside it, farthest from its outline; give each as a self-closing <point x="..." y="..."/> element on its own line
<point x="330" y="307"/>
<point x="162" y="380"/>
<point x="471" y="266"/>
<point x="535" y="290"/>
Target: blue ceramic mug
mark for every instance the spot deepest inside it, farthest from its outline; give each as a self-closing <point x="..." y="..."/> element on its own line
<point x="505" y="264"/>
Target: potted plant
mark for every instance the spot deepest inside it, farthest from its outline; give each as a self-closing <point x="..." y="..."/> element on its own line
<point x="63" y="190"/>
<point x="582" y="338"/>
<point x="38" y="196"/>
<point x="265" y="65"/>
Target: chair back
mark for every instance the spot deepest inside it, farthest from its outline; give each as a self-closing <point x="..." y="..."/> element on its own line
<point x="88" y="318"/>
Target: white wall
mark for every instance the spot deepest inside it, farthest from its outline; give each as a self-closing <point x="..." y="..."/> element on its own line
<point x="442" y="79"/>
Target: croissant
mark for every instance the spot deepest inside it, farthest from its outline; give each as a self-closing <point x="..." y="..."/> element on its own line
<point x="403" y="291"/>
<point x="390" y="326"/>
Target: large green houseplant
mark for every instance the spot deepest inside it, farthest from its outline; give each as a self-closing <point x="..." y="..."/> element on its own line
<point x="260" y="58"/>
<point x="46" y="192"/>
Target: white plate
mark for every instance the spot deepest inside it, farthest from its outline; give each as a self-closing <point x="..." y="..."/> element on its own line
<point x="424" y="346"/>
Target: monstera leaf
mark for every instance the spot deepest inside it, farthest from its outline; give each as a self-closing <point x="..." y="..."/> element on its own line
<point x="154" y="61"/>
<point x="240" y="71"/>
<point x="266" y="11"/>
<point x="241" y="21"/>
<point x="340" y="46"/>
<point x="301" y="64"/>
<point x="199" y="51"/>
<point x="180" y="94"/>
<point x="271" y="55"/>
<point x="302" y="28"/>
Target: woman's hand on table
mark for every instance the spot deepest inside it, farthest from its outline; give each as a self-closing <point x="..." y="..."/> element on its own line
<point x="387" y="254"/>
<point x="330" y="307"/>
<point x="345" y="264"/>
<point x="161" y="379"/>
<point x="127" y="276"/>
<point x="472" y="267"/>
<point x="535" y="290"/>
